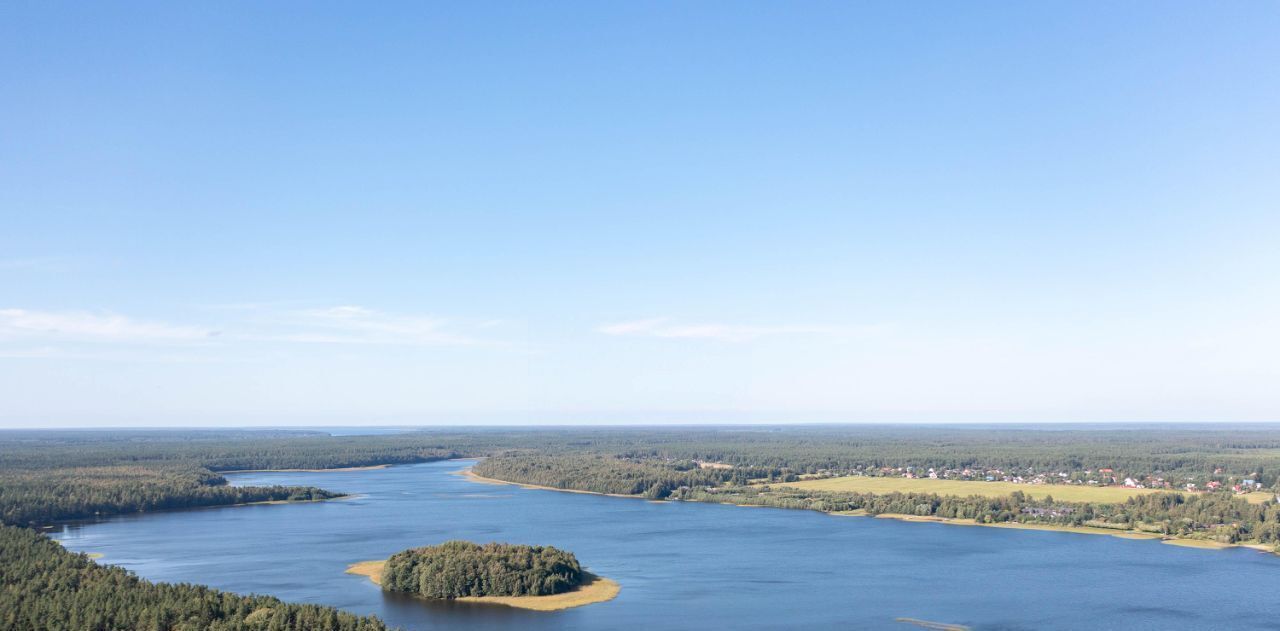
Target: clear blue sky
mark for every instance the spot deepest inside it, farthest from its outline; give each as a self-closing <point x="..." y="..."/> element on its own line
<point x="311" y="213"/>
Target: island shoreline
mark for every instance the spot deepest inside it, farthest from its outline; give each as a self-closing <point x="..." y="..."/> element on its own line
<point x="594" y="589"/>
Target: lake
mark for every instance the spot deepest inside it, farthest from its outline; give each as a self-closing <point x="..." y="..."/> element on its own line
<point x="686" y="565"/>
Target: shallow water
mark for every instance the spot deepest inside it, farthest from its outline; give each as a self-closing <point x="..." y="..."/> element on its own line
<point x="684" y="565"/>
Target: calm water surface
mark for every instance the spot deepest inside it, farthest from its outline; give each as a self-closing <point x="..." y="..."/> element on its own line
<point x="687" y="566"/>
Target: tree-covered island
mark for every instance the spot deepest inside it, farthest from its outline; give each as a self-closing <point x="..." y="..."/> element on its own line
<point x="456" y="569"/>
<point x="532" y="577"/>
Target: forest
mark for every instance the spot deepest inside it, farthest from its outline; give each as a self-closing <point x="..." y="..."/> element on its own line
<point x="1215" y="517"/>
<point x="1218" y="516"/>
<point x="44" y="496"/>
<point x="43" y="586"/>
<point x="605" y="474"/>
<point x="1173" y="449"/>
<point x="48" y="476"/>
<point x="457" y="569"/>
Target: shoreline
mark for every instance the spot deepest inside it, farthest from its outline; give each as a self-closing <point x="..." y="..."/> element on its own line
<point x="1203" y="544"/>
<point x="593" y="589"/>
<point x="53" y="526"/>
<point x="344" y="496"/>
<point x="335" y="470"/>
<point x="479" y="479"/>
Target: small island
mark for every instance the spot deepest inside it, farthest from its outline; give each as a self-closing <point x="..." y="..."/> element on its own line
<point x="540" y="578"/>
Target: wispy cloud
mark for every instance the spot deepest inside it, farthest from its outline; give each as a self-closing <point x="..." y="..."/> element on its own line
<point x="350" y="324"/>
<point x="28" y="333"/>
<point x="666" y="328"/>
<point x="84" y="326"/>
<point x="27" y="263"/>
<point x="634" y="327"/>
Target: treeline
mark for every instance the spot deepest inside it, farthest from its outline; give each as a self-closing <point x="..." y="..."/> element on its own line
<point x="50" y="495"/>
<point x="599" y="474"/>
<point x="664" y="456"/>
<point x="57" y="475"/>
<point x="51" y="476"/>
<point x="1169" y="451"/>
<point x="457" y="569"/>
<point x="1172" y="451"/>
<point x="1218" y="517"/>
<point x="215" y="450"/>
<point x="43" y="586"/>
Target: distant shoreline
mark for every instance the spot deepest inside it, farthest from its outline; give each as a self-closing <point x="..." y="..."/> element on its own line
<point x="1204" y="544"/>
<point x="365" y="468"/>
<point x="336" y="498"/>
<point x="1185" y="542"/>
<point x="475" y="477"/>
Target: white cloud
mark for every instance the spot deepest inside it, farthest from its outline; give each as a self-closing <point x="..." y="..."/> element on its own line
<point x="635" y="327"/>
<point x="665" y="328"/>
<point x="344" y="312"/>
<point x="26" y="333"/>
<point x="20" y="264"/>
<point x="83" y="326"/>
<point x="349" y="324"/>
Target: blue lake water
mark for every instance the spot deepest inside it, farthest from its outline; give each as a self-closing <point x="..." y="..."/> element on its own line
<point x="685" y="565"/>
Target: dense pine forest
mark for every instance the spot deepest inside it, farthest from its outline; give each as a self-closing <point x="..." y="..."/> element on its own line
<point x="56" y="476"/>
<point x="456" y="569"/>
<point x="43" y="586"/>
<point x="44" y="496"/>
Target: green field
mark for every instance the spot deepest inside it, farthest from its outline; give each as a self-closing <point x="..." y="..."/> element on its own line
<point x="1067" y="493"/>
<point x="1260" y="497"/>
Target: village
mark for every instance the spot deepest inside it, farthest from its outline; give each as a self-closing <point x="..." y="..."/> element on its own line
<point x="1100" y="477"/>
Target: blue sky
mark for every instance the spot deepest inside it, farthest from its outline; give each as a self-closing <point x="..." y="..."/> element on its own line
<point x="335" y="213"/>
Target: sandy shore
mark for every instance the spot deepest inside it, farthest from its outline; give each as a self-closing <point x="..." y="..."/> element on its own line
<point x="276" y="502"/>
<point x="368" y="468"/>
<point x="1084" y="530"/>
<point x="471" y="475"/>
<point x="594" y="589"/>
<point x="929" y="624"/>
